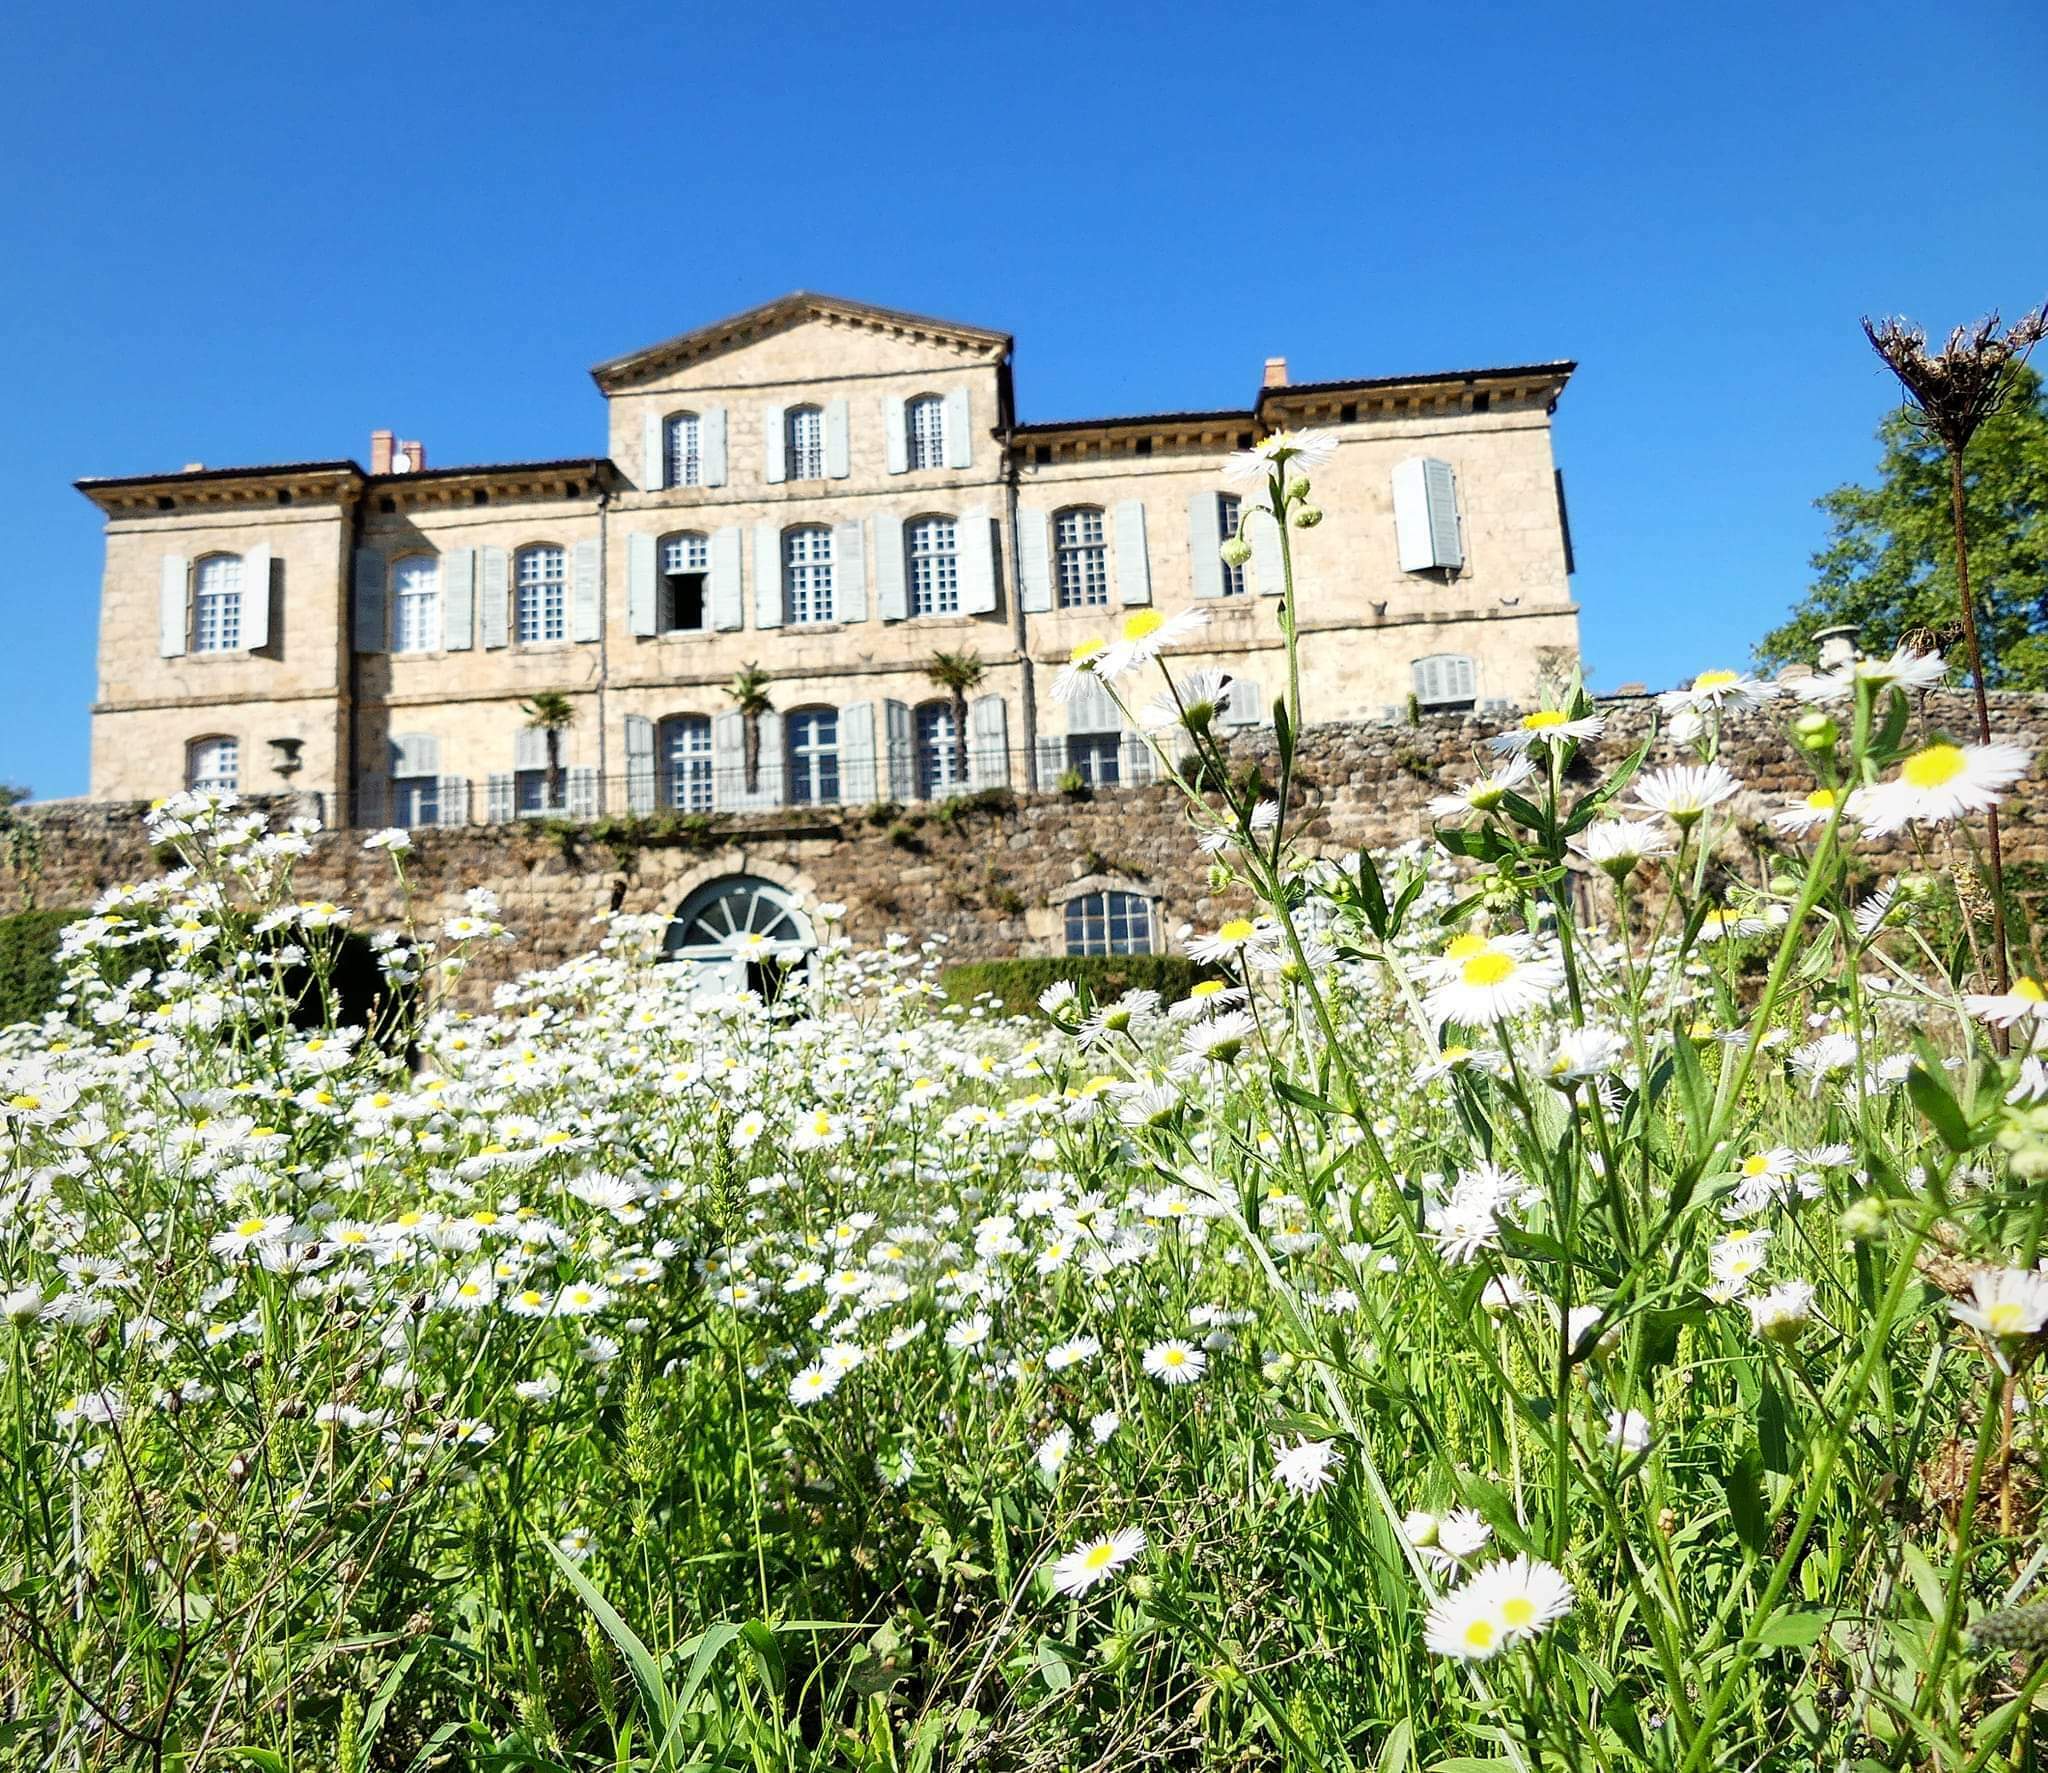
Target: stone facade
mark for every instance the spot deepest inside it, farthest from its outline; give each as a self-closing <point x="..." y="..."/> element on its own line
<point x="392" y="622"/>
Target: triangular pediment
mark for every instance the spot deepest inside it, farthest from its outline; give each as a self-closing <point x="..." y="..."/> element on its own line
<point x="738" y="332"/>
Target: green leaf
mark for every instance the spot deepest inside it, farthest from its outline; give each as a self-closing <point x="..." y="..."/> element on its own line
<point x="1791" y="1631"/>
<point x="1052" y="1664"/>
<point x="1372" y="895"/>
<point x="1773" y="1439"/>
<point x="647" y="1677"/>
<point x="760" y="1640"/>
<point x="1397" y="1753"/>
<point x="1931" y="1095"/>
<point x="1302" y="1098"/>
<point x="1744" y="1484"/>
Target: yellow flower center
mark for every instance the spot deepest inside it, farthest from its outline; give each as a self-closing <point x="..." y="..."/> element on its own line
<point x="1480" y="1633"/>
<point x="249" y="1227"/>
<point x="1490" y="968"/>
<point x="1145" y="622"/>
<point x="1174" y="1358"/>
<point x="1207" y="988"/>
<point x="1822" y="800"/>
<point x="2004" y="1318"/>
<point x="24" y="1101"/>
<point x="1100" y="1555"/>
<point x="1238" y="929"/>
<point x="1086" y="651"/>
<point x="1755" y="1166"/>
<point x="1518" y="1610"/>
<point x="1935" y="767"/>
<point x="1465" y="946"/>
<point x="2027" y="988"/>
<point x="821" y="1124"/>
<point x="1713" y="680"/>
<point x="1543" y="720"/>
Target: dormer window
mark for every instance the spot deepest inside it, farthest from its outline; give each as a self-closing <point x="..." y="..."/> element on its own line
<point x="804" y="442"/>
<point x="682" y="451"/>
<point x="924" y="422"/>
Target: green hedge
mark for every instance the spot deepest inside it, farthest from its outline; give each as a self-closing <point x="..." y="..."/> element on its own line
<point x="1017" y="983"/>
<point x="29" y="975"/>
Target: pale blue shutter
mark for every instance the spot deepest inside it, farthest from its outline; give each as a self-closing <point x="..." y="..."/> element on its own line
<point x="767" y="576"/>
<point x="774" y="444"/>
<point x="976" y="561"/>
<point x="639" y="764"/>
<point x="1246" y="705"/>
<point x="959" y="432"/>
<point x="711" y="445"/>
<point x="496" y="597"/>
<point x="728" y="611"/>
<point x="415" y="754"/>
<point x="1133" y="562"/>
<point x="988" y="755"/>
<point x="900" y="735"/>
<point x="849" y="573"/>
<point x="1268" y="578"/>
<point x="458" y="602"/>
<point x="1426" y="532"/>
<point x="583" y="790"/>
<point x="1034" y="566"/>
<point x="769" y="793"/>
<point x="1428" y="683"/>
<point x="1049" y="762"/>
<point x="1135" y="763"/>
<point x="586" y="607"/>
<point x="653" y="453"/>
<point x="892" y="601"/>
<point x="838" y="451"/>
<point x="530" y="748"/>
<point x="173" y="619"/>
<point x="895" y="435"/>
<point x="857" y="775"/>
<point x="255" y="600"/>
<point x="1445" y="540"/>
<point x="640" y="583"/>
<point x="728" y="759"/>
<point x="1205" y="564"/>
<point x="498" y="798"/>
<point x="451" y="794"/>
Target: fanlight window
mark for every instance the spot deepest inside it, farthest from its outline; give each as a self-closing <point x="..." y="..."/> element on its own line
<point x="748" y="927"/>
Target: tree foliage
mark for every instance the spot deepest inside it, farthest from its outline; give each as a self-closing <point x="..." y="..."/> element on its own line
<point x="1889" y="564"/>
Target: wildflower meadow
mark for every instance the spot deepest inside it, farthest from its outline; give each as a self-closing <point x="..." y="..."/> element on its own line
<point x="1549" y="1300"/>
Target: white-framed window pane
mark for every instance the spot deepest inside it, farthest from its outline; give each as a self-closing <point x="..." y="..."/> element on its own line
<point x="416" y="604"/>
<point x="415" y="801"/>
<point x="925" y="420"/>
<point x="686" y="763"/>
<point x="939" y="762"/>
<point x="685" y="458"/>
<point x="807" y="575"/>
<point x="814" y="756"/>
<point x="1095" y="758"/>
<point x="934" y="567"/>
<point x="530" y="793"/>
<point x="805" y="443"/>
<point x="690" y="553"/>
<point x="1083" y="558"/>
<point x="541" y="598"/>
<point x="1109" y="923"/>
<point x="1229" y="511"/>
<point x="214" y="766"/>
<point x="685" y="568"/>
<point x="217" y="604"/>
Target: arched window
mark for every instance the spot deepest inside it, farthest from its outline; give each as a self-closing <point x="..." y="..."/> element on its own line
<point x="924" y="424"/>
<point x="682" y="451"/>
<point x="1109" y="923"/>
<point x="941" y="762"/>
<point x="743" y="930"/>
<point x="807" y="575"/>
<point x="416" y="604"/>
<point x="1229" y="509"/>
<point x="933" y="547"/>
<point x="685" y="569"/>
<point x="214" y="765"/>
<point x="1082" y="557"/>
<point x="1445" y="680"/>
<point x="684" y="752"/>
<point x="813" y="739"/>
<point x="542" y="576"/>
<point x="217" y="604"/>
<point x="804" y="442"/>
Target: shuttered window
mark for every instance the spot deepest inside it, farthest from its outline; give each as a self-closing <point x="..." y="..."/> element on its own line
<point x="934" y="550"/>
<point x="804" y="443"/>
<point x="807" y="575"/>
<point x="416" y="605"/>
<point x="1109" y="923"/>
<point x="542" y="608"/>
<point x="1228" y="509"/>
<point x="686" y="763"/>
<point x="214" y="766"/>
<point x="941" y="764"/>
<point x="1445" y="680"/>
<point x="925" y="424"/>
<point x="217" y="604"/>
<point x="813" y="736"/>
<point x="1082" y="558"/>
<point x="683" y="451"/>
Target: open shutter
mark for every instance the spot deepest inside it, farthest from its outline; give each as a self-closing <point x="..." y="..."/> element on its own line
<point x="496" y="596"/>
<point x="977" y="561"/>
<point x="255" y="600"/>
<point x="586" y="608"/>
<point x="640" y="583"/>
<point x="900" y="736"/>
<point x="728" y="759"/>
<point x="858" y="780"/>
<point x="451" y="795"/>
<point x="895" y="438"/>
<point x="1034" y="567"/>
<point x="639" y="764"/>
<point x="988" y="754"/>
<point x="1205" y="564"/>
<point x="1445" y="539"/>
<point x="582" y="790"/>
<point x="458" y="601"/>
<point x="1426" y="529"/>
<point x="1133" y="562"/>
<point x="959" y="436"/>
<point x="1264" y="535"/>
<point x="892" y="600"/>
<point x="849" y="573"/>
<point x="711" y="446"/>
<point x="530" y="749"/>
<point x="774" y="441"/>
<point x="769" y="794"/>
<point x="415" y="754"/>
<point x="838" y="453"/>
<point x="1049" y="762"/>
<point x="173" y="618"/>
<point x="767" y="576"/>
<point x="498" y="798"/>
<point x="653" y="457"/>
<point x="727" y="610"/>
<point x="1135" y="763"/>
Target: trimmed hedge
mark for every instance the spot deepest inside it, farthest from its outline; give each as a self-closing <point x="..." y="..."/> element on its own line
<point x="1018" y="982"/>
<point x="30" y="978"/>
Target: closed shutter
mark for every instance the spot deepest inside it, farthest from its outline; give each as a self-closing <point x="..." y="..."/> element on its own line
<point x="900" y="736"/>
<point x="496" y="596"/>
<point x="728" y="759"/>
<point x="1428" y="676"/>
<point x="895" y="438"/>
<point x="1135" y="763"/>
<point x="1091" y="708"/>
<point x="849" y="573"/>
<point x="653" y="456"/>
<point x="1269" y="579"/>
<point x="711" y="445"/>
<point x="770" y="792"/>
<point x="640" y="584"/>
<point x="774" y="457"/>
<point x="255" y="600"/>
<point x="530" y="749"/>
<point x="173" y="617"/>
<point x="415" y="754"/>
<point x="892" y="599"/>
<point x="959" y="435"/>
<point x="838" y="455"/>
<point x="451" y="794"/>
<point x="586" y="609"/>
<point x="728" y="611"/>
<point x="1133" y="561"/>
<point x="767" y="576"/>
<point x="458" y="601"/>
<point x="977" y="562"/>
<point x="988" y="755"/>
<point x="583" y="793"/>
<point x="1443" y="677"/>
<point x="1049" y="760"/>
<point x="858" y="780"/>
<point x="1246" y="705"/>
<point x="1034" y="568"/>
<point x="1205" y="564"/>
<point x="1445" y="539"/>
<point x="498" y="799"/>
<point x="639" y="764"/>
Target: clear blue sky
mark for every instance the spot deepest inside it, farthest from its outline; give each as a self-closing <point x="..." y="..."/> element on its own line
<point x="252" y="233"/>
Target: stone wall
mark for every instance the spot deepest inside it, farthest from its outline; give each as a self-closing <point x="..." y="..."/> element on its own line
<point x="993" y="880"/>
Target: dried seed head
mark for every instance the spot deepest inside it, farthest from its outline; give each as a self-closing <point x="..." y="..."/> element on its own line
<point x="2013" y="1628"/>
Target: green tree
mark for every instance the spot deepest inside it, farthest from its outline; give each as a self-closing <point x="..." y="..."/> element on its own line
<point x="749" y="692"/>
<point x="958" y="674"/>
<point x="1889" y="565"/>
<point x="554" y="714"/>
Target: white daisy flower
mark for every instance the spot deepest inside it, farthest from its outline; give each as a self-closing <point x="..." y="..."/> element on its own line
<point x="1302" y="450"/>
<point x="2024" y="1001"/>
<point x="1684" y="792"/>
<point x="1175" y="1362"/>
<point x="1547" y="726"/>
<point x="1940" y="783"/>
<point x="1096" y="1560"/>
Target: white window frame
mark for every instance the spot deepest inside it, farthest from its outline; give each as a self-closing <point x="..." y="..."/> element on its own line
<point x="813" y="756"/>
<point x="931" y="548"/>
<point x="1081" y="557"/>
<point x="213" y="764"/>
<point x="415" y="801"/>
<point x="682" y="449"/>
<point x="924" y="431"/>
<point x="687" y="552"/>
<point x="541" y="600"/>
<point x="1117" y="906"/>
<point x="1097" y="758"/>
<point x="217" y="603"/>
<point x="416" y="606"/>
<point x="808" y="594"/>
<point x="803" y="443"/>
<point x="941" y="759"/>
<point x="685" y="768"/>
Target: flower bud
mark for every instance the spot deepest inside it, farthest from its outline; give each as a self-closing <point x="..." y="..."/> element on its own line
<point x="1863" y="1219"/>
<point x="1297" y="487"/>
<point x="1307" y="516"/>
<point x="1815" y="731"/>
<point x="1236" y="551"/>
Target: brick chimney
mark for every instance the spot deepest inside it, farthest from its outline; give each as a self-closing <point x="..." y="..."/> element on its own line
<point x="415" y="454"/>
<point x="1276" y="372"/>
<point x="380" y="452"/>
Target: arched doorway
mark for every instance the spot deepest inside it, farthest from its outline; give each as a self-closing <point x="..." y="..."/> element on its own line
<point x="740" y="932"/>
